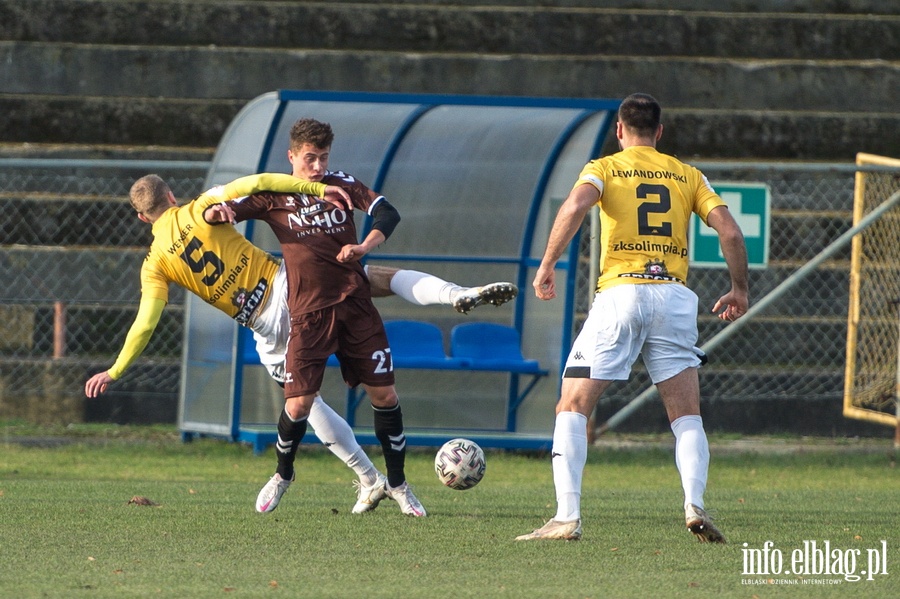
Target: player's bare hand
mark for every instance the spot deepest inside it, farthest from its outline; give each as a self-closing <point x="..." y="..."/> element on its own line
<point x="338" y="197"/>
<point x="351" y="252"/>
<point x="97" y="384"/>
<point x="731" y="306"/>
<point x="219" y="213"/>
<point x="545" y="283"/>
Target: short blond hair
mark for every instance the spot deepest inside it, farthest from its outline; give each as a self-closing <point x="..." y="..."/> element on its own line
<point x="150" y="195"/>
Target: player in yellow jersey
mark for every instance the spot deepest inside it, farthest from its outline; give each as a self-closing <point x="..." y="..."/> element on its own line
<point x="641" y="306"/>
<point x="221" y="266"/>
<point x="215" y="262"/>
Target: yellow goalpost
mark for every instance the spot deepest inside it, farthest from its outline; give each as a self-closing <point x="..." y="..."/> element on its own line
<point x="872" y="381"/>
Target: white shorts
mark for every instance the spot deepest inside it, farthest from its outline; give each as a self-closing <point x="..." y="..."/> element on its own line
<point x="271" y="327"/>
<point x="656" y="320"/>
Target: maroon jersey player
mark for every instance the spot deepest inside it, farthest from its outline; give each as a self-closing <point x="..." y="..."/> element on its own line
<point x="331" y="309"/>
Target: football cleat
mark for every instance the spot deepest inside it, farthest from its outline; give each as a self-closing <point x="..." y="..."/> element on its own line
<point x="368" y="498"/>
<point x="701" y="525"/>
<point x="556" y="531"/>
<point x="270" y="495"/>
<point x="404" y="497"/>
<point x="492" y="293"/>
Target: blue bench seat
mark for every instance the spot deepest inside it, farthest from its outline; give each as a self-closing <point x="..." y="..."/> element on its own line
<point x="474" y="346"/>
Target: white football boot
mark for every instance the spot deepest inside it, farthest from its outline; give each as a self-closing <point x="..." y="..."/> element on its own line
<point x="404" y="497"/>
<point x="270" y="495"/>
<point x="368" y="498"/>
<point x="555" y="530"/>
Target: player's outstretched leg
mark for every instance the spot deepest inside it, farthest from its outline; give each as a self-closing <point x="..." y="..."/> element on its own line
<point x="424" y="289"/>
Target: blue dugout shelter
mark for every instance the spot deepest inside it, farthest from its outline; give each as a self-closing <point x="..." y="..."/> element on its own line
<point x="478" y="182"/>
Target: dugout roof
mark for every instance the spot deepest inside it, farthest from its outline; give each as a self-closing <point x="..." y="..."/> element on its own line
<point x="477" y="181"/>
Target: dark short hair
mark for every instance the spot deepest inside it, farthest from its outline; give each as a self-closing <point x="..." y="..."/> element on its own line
<point x="640" y="113"/>
<point x="311" y="131"/>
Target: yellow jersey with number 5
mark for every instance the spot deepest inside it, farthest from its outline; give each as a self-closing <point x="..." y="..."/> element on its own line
<point x="646" y="201"/>
<point x="215" y="261"/>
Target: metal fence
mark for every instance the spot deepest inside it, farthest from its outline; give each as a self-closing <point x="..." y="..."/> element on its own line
<point x="71" y="250"/>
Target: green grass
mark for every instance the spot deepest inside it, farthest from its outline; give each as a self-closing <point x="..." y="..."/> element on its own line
<point x="69" y="531"/>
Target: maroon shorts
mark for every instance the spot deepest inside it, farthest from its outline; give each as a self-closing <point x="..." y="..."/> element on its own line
<point x="352" y="330"/>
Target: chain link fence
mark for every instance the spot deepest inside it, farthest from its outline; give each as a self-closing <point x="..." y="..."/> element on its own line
<point x="72" y="248"/>
<point x="70" y="256"/>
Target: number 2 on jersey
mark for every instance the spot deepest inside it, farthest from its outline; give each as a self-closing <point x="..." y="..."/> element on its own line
<point x="664" y="229"/>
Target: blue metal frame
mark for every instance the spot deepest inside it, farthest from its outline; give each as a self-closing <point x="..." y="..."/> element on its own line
<point x="427" y="102"/>
<point x="448" y="99"/>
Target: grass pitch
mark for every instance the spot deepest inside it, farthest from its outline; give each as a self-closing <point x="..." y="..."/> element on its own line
<point x="68" y="529"/>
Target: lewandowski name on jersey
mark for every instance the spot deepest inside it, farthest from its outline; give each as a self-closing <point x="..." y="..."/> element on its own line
<point x="648" y="174"/>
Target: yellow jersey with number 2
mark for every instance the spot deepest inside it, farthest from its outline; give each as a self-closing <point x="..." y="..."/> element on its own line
<point x="646" y="201"/>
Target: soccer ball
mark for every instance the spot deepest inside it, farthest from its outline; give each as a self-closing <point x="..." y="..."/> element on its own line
<point x="459" y="464"/>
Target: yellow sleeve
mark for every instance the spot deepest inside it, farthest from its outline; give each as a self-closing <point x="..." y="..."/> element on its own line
<point x="591" y="174"/>
<point x="277" y="182"/>
<point x="706" y="199"/>
<point x="138" y="335"/>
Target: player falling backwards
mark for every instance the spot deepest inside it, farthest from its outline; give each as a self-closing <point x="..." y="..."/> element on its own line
<point x="199" y="256"/>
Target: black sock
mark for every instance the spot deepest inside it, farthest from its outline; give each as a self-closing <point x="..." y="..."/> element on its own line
<point x="290" y="434"/>
<point x="389" y="432"/>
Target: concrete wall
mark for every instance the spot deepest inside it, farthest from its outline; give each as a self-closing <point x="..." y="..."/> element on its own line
<point x="737" y="79"/>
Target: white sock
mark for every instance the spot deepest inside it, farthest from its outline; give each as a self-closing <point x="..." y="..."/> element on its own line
<point x="336" y="434"/>
<point x="569" y="455"/>
<point x="423" y="289"/>
<point x="691" y="457"/>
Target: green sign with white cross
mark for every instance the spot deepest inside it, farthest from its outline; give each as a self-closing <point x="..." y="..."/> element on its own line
<point x="749" y="203"/>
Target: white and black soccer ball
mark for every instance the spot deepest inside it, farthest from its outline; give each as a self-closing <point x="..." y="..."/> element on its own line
<point x="459" y="464"/>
